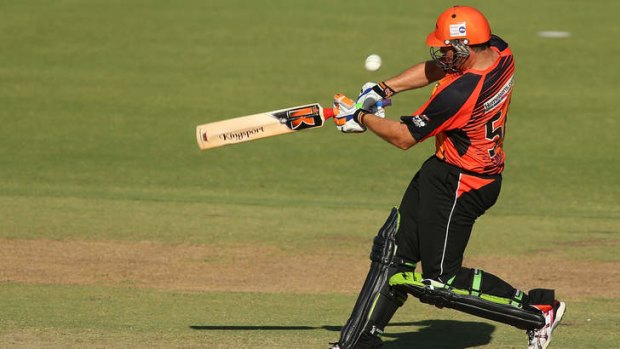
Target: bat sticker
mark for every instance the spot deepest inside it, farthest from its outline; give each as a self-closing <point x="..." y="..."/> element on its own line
<point x="301" y="118"/>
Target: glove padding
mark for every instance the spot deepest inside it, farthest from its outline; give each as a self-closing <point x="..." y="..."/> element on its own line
<point x="368" y="97"/>
<point x="349" y="117"/>
<point x="372" y="93"/>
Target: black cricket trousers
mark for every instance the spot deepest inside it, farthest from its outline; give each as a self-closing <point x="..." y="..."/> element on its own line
<point x="437" y="213"/>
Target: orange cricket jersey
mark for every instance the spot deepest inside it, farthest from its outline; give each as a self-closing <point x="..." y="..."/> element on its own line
<point x="467" y="115"/>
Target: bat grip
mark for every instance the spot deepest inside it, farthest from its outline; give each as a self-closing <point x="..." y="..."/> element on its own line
<point x="331" y="112"/>
<point x="384" y="103"/>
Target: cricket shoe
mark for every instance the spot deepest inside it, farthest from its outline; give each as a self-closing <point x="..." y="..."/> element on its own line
<point x="540" y="338"/>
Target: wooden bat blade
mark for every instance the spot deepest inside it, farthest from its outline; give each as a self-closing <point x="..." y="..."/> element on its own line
<point x="257" y="126"/>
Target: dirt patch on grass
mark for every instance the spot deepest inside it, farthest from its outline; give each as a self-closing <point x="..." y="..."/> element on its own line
<point x="260" y="268"/>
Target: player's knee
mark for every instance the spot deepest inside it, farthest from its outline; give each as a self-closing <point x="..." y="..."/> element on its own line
<point x="384" y="244"/>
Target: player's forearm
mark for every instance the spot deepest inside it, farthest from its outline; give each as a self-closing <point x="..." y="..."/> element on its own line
<point x="419" y="75"/>
<point x="392" y="131"/>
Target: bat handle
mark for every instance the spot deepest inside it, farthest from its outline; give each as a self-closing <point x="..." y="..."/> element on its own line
<point x="331" y="112"/>
<point x="384" y="103"/>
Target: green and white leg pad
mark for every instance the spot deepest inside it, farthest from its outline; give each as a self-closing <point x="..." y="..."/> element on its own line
<point x="507" y="311"/>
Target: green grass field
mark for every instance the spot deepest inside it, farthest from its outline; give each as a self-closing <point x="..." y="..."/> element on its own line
<point x="117" y="232"/>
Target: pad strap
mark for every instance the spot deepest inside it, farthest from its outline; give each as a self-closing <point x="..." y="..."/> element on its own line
<point x="475" y="286"/>
<point x="517" y="300"/>
<point x="476" y="281"/>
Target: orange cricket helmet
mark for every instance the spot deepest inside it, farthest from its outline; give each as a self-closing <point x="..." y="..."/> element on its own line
<point x="462" y="23"/>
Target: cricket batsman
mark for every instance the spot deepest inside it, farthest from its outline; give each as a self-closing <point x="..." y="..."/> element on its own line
<point x="466" y="114"/>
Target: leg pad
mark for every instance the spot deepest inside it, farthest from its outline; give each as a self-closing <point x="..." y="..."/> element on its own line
<point x="432" y="292"/>
<point x="382" y="255"/>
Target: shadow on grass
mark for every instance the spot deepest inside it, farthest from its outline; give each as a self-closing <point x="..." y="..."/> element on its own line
<point x="445" y="334"/>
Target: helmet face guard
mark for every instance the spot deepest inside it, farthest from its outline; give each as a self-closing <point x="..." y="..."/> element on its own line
<point x="450" y="58"/>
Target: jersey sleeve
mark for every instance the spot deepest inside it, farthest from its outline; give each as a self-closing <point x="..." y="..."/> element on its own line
<point x="445" y="110"/>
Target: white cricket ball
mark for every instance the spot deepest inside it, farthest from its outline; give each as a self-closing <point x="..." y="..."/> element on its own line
<point x="373" y="62"/>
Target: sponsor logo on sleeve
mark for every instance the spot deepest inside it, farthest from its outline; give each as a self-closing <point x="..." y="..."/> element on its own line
<point x="420" y="120"/>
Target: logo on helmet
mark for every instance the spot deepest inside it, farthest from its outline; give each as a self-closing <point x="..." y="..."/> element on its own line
<point x="458" y="29"/>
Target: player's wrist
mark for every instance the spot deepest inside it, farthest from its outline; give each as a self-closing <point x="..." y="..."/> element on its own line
<point x="383" y="90"/>
<point x="359" y="115"/>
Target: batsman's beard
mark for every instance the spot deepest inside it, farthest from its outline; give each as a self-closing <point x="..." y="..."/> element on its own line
<point x="241" y="135"/>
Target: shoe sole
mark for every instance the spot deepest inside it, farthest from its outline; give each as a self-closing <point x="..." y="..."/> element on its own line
<point x="556" y="321"/>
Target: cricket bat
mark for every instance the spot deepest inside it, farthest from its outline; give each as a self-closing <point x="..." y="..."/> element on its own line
<point x="262" y="125"/>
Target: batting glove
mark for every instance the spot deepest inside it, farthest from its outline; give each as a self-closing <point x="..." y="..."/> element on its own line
<point x="372" y="93"/>
<point x="349" y="118"/>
